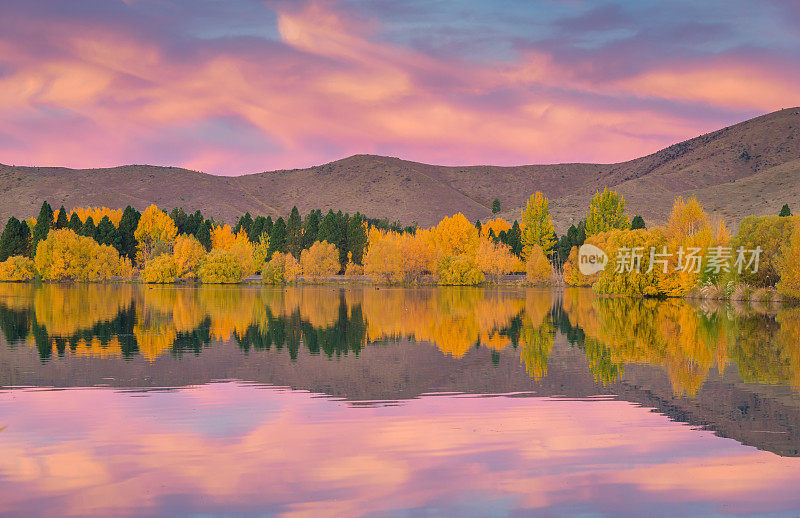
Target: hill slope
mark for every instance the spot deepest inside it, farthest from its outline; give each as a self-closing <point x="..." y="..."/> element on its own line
<point x="749" y="168"/>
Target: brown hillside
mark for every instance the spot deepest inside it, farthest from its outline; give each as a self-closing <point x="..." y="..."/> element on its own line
<point x="749" y="168"/>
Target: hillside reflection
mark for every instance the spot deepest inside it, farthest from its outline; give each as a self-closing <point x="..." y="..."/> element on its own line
<point x="686" y="340"/>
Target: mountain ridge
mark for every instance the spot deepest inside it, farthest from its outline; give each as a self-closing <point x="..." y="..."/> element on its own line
<point x="719" y="167"/>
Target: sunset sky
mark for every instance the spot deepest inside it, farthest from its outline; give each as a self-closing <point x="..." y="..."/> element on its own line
<point x="243" y="86"/>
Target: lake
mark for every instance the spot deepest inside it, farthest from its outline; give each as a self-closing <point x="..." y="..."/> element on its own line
<point x="131" y="400"/>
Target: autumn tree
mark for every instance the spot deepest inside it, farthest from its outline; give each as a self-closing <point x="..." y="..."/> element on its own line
<point x="537" y="224"/>
<point x="495" y="259"/>
<point x="321" y="260"/>
<point x="220" y="267"/>
<point x="606" y="212"/>
<point x="280" y="269"/>
<point x="187" y="253"/>
<point x="42" y="227"/>
<point x="15" y="239"/>
<point x="537" y="267"/>
<point x="17" y="268"/>
<point x="770" y="233"/>
<point x="65" y="256"/>
<point x="790" y="264"/>
<point x="155" y="233"/>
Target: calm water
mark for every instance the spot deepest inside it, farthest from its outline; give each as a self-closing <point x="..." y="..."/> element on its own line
<point x="128" y="400"/>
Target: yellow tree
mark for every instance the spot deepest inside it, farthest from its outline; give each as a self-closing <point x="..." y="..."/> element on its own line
<point x="537" y="225"/>
<point x="155" y="233"/>
<point x="321" y="260"/>
<point x="537" y="267"/>
<point x="606" y="212"/>
<point x="790" y="264"/>
<point x="455" y="236"/>
<point x="222" y="237"/>
<point x="188" y="254"/>
<point x="495" y="259"/>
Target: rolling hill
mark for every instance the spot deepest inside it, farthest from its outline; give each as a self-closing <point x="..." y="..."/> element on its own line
<point x="751" y="168"/>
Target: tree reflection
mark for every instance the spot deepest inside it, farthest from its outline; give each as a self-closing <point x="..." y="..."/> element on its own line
<point x="687" y="340"/>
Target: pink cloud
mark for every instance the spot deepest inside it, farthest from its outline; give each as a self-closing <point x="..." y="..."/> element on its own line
<point x="93" y="95"/>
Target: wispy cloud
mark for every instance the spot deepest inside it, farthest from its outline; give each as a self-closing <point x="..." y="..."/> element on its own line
<point x="243" y="86"/>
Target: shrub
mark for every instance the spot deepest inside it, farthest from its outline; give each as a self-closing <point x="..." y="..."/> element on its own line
<point x="66" y="256"/>
<point x="537" y="268"/>
<point x="17" y="268"/>
<point x="321" y="260"/>
<point x="459" y="270"/>
<point x="220" y="267"/>
<point x="770" y="233"/>
<point x="282" y="268"/>
<point x="160" y="269"/>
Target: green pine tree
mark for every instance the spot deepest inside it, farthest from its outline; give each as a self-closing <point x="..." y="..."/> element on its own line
<point x="126" y="229"/>
<point x="357" y="237"/>
<point x="495" y="206"/>
<point x="637" y="223"/>
<point x="277" y="238"/>
<point x="294" y="233"/>
<point x="107" y="234"/>
<point x="61" y="220"/>
<point x="785" y="211"/>
<point x="14" y="240"/>
<point x="311" y="228"/>
<point x="75" y="223"/>
<point x="257" y="228"/>
<point x="43" y="223"/>
<point x="204" y="234"/>
<point x="89" y="229"/>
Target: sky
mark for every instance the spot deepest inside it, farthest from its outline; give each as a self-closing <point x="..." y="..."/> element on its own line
<point x="243" y="86"/>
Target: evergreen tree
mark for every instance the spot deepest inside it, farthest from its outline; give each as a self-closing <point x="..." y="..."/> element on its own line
<point x="515" y="238"/>
<point x="204" y="234"/>
<point x="495" y="206"/>
<point x="107" y="234"/>
<point x="357" y="237"/>
<point x="75" y="223"/>
<point x="178" y="217"/>
<point x="277" y="238"/>
<point x="328" y="229"/>
<point x="257" y="229"/>
<point x="43" y="223"/>
<point x="193" y="222"/>
<point x="244" y="223"/>
<point x="478" y="225"/>
<point x="126" y="230"/>
<point x="294" y="233"/>
<point x="637" y="223"/>
<point x="311" y="228"/>
<point x="61" y="220"/>
<point x="14" y="240"/>
<point x="89" y="229"/>
<point x="785" y="211"/>
<point x="342" y="221"/>
<point x="268" y="225"/>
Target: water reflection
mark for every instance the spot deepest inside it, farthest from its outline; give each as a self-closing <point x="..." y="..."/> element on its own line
<point x="686" y="340"/>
